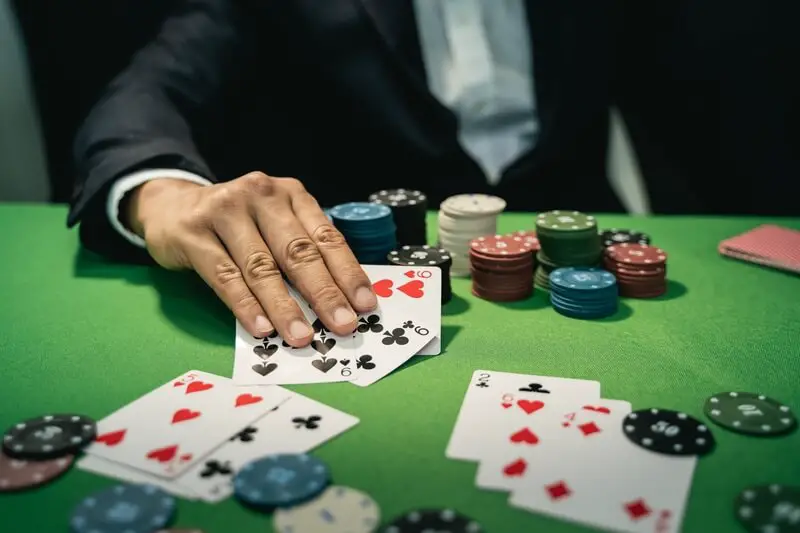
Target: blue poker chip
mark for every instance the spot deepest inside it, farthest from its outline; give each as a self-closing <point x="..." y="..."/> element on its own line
<point x="281" y="480"/>
<point x="582" y="278"/>
<point x="587" y="307"/>
<point x="360" y="211"/>
<point x="124" y="509"/>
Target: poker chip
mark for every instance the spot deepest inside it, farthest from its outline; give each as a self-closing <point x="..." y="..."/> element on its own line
<point x="433" y="520"/>
<point x="613" y="236"/>
<point x="21" y="474"/>
<point x="529" y="237"/>
<point x="566" y="239"/>
<point x="747" y="412"/>
<point x="769" y="509"/>
<point x="124" y="509"/>
<point x="425" y="256"/>
<point x="368" y="228"/>
<point x="501" y="267"/>
<point x="668" y="432"/>
<point x="337" y="510"/>
<point x="640" y="269"/>
<point x="50" y="436"/>
<point x="583" y="292"/>
<point x="409" y="209"/>
<point x="463" y="218"/>
<point x="281" y="480"/>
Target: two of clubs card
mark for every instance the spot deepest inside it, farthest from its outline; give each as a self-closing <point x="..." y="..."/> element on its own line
<point x="191" y="435"/>
<point x="559" y="449"/>
<point x="407" y="322"/>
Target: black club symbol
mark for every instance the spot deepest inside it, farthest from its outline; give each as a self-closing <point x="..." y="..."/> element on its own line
<point x="397" y="336"/>
<point x="365" y="362"/>
<point x="371" y="323"/>
<point x="482" y="385"/>
<point x="408" y="324"/>
<point x="212" y="468"/>
<point x="245" y="435"/>
<point x="312" y="422"/>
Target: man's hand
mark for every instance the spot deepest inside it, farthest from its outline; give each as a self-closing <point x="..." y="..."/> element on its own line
<point x="239" y="236"/>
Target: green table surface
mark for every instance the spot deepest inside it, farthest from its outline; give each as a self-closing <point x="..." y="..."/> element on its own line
<point x="80" y="334"/>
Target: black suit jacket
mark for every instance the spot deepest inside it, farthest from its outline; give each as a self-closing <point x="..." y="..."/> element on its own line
<point x="335" y="94"/>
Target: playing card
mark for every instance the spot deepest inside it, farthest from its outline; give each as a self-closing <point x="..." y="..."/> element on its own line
<point x="296" y="426"/>
<point x="528" y="440"/>
<point x="167" y="430"/>
<point x="415" y="292"/>
<point x="767" y="245"/>
<point x="492" y="396"/>
<point x="104" y="467"/>
<point x="613" y="485"/>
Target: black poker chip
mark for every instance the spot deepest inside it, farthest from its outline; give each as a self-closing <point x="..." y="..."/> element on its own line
<point x="399" y="198"/>
<point x="769" y="508"/>
<point x="49" y="436"/>
<point x="614" y="236"/>
<point x="668" y="432"/>
<point x="409" y="209"/>
<point x="438" y="520"/>
<point x="423" y="256"/>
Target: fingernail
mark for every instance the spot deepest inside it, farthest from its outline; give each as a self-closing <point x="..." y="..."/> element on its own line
<point x="299" y="329"/>
<point x="365" y="298"/>
<point x="344" y="316"/>
<point x="263" y="326"/>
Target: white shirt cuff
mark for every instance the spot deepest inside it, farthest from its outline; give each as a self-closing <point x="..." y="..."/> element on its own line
<point x="125" y="184"/>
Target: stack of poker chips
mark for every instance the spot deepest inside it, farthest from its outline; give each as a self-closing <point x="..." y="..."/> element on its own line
<point x="567" y="238"/>
<point x="613" y="236"/>
<point x="583" y="292"/>
<point x="425" y="256"/>
<point x="409" y="209"/>
<point x="368" y="229"/>
<point x="462" y="218"/>
<point x="640" y="269"/>
<point x="501" y="267"/>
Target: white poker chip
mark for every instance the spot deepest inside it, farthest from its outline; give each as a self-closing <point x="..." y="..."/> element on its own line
<point x="466" y="205"/>
<point x="337" y="510"/>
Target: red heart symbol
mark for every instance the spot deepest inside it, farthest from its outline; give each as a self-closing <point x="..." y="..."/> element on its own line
<point x="413" y="288"/>
<point x="530" y="406"/>
<point x="247" y="399"/>
<point x="182" y="415"/>
<point x="506" y="405"/>
<point x="162" y="455"/>
<point x="525" y="435"/>
<point x="198" y="386"/>
<point x="383" y="288"/>
<point x="186" y="457"/>
<point x="178" y="384"/>
<point x="409" y="274"/>
<point x="604" y="410"/>
<point x="113" y="438"/>
<point x="517" y="468"/>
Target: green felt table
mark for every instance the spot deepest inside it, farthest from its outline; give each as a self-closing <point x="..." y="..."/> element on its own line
<point x="80" y="334"/>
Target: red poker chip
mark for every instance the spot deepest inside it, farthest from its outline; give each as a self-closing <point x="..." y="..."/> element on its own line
<point x="21" y="474"/>
<point x="528" y="236"/>
<point x="637" y="254"/>
<point x="502" y="246"/>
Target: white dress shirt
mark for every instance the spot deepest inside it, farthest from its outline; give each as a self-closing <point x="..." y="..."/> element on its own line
<point x="478" y="61"/>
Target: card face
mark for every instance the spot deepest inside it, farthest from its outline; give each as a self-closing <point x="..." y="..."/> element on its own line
<point x="616" y="486"/>
<point x="768" y="245"/>
<point x="492" y="398"/>
<point x="413" y="291"/>
<point x="527" y="441"/>
<point x="104" y="467"/>
<point x="295" y="426"/>
<point x="171" y="428"/>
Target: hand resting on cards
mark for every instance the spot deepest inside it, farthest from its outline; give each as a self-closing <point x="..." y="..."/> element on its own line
<point x="240" y="235"/>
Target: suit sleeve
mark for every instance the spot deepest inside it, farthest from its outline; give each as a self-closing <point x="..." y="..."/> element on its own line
<point x="145" y="119"/>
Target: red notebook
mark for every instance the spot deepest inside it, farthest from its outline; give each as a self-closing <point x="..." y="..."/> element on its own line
<point x="768" y="245"/>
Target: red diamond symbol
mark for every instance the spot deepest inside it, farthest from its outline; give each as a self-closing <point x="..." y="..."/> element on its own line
<point x="589" y="428"/>
<point x="558" y="490"/>
<point x="637" y="509"/>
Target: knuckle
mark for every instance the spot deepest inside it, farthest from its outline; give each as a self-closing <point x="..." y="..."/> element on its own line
<point x="224" y="200"/>
<point x="329" y="237"/>
<point x="245" y="305"/>
<point x="227" y="273"/>
<point x="301" y="251"/>
<point x="292" y="184"/>
<point x="260" y="266"/>
<point x="328" y="296"/>
<point x="285" y="308"/>
<point x="259" y="183"/>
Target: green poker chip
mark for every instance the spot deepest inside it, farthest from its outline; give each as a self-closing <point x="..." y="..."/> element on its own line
<point x="569" y="221"/>
<point x="750" y="413"/>
<point x="769" y="508"/>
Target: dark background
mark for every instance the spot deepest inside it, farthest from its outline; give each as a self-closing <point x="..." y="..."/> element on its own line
<point x="709" y="90"/>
